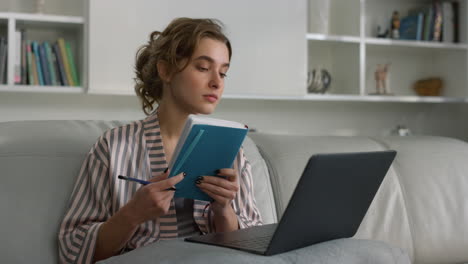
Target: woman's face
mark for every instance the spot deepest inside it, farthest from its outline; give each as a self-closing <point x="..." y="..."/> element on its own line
<point x="199" y="87"/>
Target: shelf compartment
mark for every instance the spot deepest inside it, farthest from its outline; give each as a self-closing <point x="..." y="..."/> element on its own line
<point x="334" y="17"/>
<point x="71" y="29"/>
<point x="379" y="13"/>
<point x="410" y="65"/>
<point x="340" y="60"/>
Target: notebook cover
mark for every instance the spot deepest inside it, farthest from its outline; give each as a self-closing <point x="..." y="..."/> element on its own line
<point x="206" y="149"/>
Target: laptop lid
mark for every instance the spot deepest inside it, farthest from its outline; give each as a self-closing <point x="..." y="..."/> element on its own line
<point x="330" y="199"/>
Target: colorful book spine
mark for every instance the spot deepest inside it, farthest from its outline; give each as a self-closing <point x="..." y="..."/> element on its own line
<point x="419" y="34"/>
<point x="437" y="21"/>
<point x="72" y="64"/>
<point x="428" y="23"/>
<point x="37" y="58"/>
<point x="24" y="64"/>
<point x="34" y="66"/>
<point x="63" y="75"/>
<point x="17" y="66"/>
<point x="456" y="21"/>
<point x="66" y="63"/>
<point x="3" y="55"/>
<point x="29" y="61"/>
<point x="51" y="62"/>
<point x="44" y="65"/>
<point x="56" y="67"/>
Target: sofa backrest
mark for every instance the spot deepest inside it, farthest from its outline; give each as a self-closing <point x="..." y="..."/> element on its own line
<point x="422" y="204"/>
<point x="39" y="163"/>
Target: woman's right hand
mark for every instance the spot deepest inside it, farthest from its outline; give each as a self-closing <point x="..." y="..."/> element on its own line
<point x="153" y="200"/>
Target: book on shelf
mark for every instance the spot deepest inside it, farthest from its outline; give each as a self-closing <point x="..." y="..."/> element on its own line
<point x="72" y="64"/>
<point x="411" y="26"/>
<point x="34" y="66"/>
<point x="456" y="21"/>
<point x="428" y="18"/>
<point x="63" y="75"/>
<point x="50" y="64"/>
<point x="30" y="62"/>
<point x="436" y="34"/>
<point x="37" y="58"/>
<point x="17" y="66"/>
<point x="448" y="25"/>
<point x="205" y="146"/>
<point x="3" y="59"/>
<point x="24" y="60"/>
<point x="437" y="21"/>
<point x="66" y="62"/>
<point x="44" y="65"/>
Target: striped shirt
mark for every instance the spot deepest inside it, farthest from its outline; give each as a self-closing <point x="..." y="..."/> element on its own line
<point x="135" y="150"/>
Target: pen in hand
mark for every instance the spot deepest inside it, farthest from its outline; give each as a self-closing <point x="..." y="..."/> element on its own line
<point x="141" y="182"/>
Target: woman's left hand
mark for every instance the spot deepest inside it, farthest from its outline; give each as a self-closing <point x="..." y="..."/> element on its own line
<point x="223" y="191"/>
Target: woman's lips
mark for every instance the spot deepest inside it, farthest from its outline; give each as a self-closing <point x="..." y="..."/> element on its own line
<point x="211" y="98"/>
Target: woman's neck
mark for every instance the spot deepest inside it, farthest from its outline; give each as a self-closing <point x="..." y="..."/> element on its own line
<point x="171" y="120"/>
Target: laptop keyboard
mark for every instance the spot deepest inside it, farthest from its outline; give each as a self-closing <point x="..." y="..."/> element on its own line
<point x="255" y="242"/>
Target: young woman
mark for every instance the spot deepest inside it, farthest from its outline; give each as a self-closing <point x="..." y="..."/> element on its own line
<point x="182" y="69"/>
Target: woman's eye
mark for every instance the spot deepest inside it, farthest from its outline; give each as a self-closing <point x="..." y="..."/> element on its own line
<point x="223" y="75"/>
<point x="202" y="68"/>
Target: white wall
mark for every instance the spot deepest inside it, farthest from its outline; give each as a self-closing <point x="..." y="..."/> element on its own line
<point x="315" y="118"/>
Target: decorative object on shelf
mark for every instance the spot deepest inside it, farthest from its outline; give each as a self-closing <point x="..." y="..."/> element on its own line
<point x="382" y="34"/>
<point x="40" y="6"/>
<point x="402" y="131"/>
<point x="395" y="25"/>
<point x="318" y="81"/>
<point x="429" y="87"/>
<point x="381" y="78"/>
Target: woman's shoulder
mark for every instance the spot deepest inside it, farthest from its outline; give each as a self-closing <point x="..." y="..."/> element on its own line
<point x="121" y="130"/>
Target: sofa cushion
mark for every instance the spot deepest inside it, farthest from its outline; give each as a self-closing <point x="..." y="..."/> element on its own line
<point x="347" y="251"/>
<point x="434" y="178"/>
<point x="40" y="161"/>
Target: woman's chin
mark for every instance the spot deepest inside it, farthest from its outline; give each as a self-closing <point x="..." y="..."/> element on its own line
<point x="206" y="109"/>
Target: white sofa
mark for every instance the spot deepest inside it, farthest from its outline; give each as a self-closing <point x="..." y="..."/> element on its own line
<point x="420" y="213"/>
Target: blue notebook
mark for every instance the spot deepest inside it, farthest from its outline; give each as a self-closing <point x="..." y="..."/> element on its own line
<point x="206" y="145"/>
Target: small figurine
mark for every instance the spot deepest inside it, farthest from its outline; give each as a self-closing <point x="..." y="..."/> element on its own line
<point x="381" y="79"/>
<point x="382" y="34"/>
<point x="395" y="25"/>
<point x="402" y="131"/>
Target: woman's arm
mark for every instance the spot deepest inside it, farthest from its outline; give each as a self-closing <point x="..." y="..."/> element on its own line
<point x="148" y="203"/>
<point x="88" y="231"/>
<point x="234" y="206"/>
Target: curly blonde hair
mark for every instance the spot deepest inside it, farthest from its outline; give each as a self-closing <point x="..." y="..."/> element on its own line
<point x="174" y="46"/>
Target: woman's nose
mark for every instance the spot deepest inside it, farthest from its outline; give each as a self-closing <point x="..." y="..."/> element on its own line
<point x="216" y="81"/>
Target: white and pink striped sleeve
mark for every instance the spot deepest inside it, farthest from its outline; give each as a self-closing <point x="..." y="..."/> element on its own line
<point x="88" y="208"/>
<point x="244" y="204"/>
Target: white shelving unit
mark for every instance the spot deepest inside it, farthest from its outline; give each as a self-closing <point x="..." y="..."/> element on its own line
<point x="348" y="48"/>
<point x="43" y="27"/>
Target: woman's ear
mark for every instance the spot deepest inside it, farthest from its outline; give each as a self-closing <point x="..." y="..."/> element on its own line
<point x="163" y="71"/>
